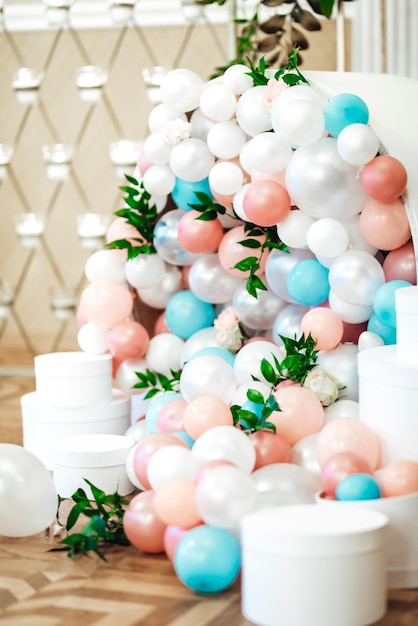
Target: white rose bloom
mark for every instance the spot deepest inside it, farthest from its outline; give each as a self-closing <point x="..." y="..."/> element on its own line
<point x="230" y="339"/>
<point x="176" y="130"/>
<point x="323" y="385"/>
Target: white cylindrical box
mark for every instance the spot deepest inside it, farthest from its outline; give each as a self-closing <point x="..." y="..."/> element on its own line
<point x="70" y="379"/>
<point x="101" y="459"/>
<point x="43" y="424"/>
<point x="406" y="299"/>
<point x="388" y="401"/>
<point x="311" y="565"/>
<point x="402" y="535"/>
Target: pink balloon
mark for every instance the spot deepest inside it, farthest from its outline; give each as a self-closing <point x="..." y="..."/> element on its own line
<point x="266" y="203"/>
<point x="270" y="448"/>
<point x="161" y="325"/>
<point x="348" y="434"/>
<point x="142" y="526"/>
<point x="301" y="413"/>
<point x="170" y="417"/>
<point x="199" y="236"/>
<point x="385" y="225"/>
<point x="399" y="478"/>
<point x="106" y="303"/>
<point x="203" y="413"/>
<point x="143" y="163"/>
<point x="340" y="465"/>
<point x="325" y="326"/>
<point x="128" y="340"/>
<point x="120" y="229"/>
<point x="230" y="252"/>
<point x="400" y="264"/>
<point x="172" y="536"/>
<point x="384" y="178"/>
<point x="146" y="448"/>
<point x="175" y="503"/>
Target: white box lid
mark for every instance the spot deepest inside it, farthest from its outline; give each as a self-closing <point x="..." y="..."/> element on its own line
<point x="66" y="364"/>
<point x="91" y="450"/>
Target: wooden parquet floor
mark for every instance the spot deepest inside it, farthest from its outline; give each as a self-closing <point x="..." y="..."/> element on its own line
<point x="43" y="588"/>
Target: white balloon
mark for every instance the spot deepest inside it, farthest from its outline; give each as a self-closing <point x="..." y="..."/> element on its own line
<point x="357" y="241"/>
<point x="171" y="462"/>
<point x="236" y="78"/>
<point x="93" y="339"/>
<point x="200" y="125"/>
<point x="350" y="313"/>
<point x="367" y="340"/>
<point x="156" y="148"/>
<point x="237" y="202"/>
<point x="28" y="496"/>
<point x="299" y="92"/>
<point x="159" y="180"/>
<point x="240" y="394"/>
<point x="105" y="265"/>
<point x="294" y="228"/>
<point x="224" y="495"/>
<point x="327" y="237"/>
<point x="161" y="114"/>
<point x="180" y="89"/>
<point x="226" y="139"/>
<point x="126" y="377"/>
<point x="257" y="313"/>
<point x="138" y="431"/>
<point x="247" y="362"/>
<point x="245" y="157"/>
<point x="341" y="408"/>
<point x="342" y="363"/>
<point x="129" y="464"/>
<point x="210" y="282"/>
<point x="305" y="455"/>
<point x="355" y="277"/>
<point x="207" y="375"/>
<point x="226" y="443"/>
<point x="144" y="270"/>
<point x="251" y="113"/>
<point x="357" y="144"/>
<point x="226" y="178"/>
<point x="164" y="353"/>
<point x="159" y="294"/>
<point x="269" y="152"/>
<point x="204" y="338"/>
<point x="288" y="322"/>
<point x="191" y="160"/>
<point x="217" y="102"/>
<point x="285" y="483"/>
<point x="302" y="122"/>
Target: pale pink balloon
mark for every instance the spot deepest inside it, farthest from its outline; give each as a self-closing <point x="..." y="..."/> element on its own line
<point x="143" y="163"/>
<point x="278" y="177"/>
<point x="120" y="229"/>
<point x="400" y="264"/>
<point x="399" y="478"/>
<point x="385" y="225"/>
<point x="325" y="326"/>
<point x="172" y="536"/>
<point x="128" y="340"/>
<point x="175" y="503"/>
<point x="143" y="528"/>
<point x="230" y="252"/>
<point x="340" y="465"/>
<point x="384" y="178"/>
<point x="199" y="236"/>
<point x="203" y="413"/>
<point x="348" y="434"/>
<point x="301" y="413"/>
<point x="208" y="466"/>
<point x="106" y="303"/>
<point x="266" y="203"/>
<point x="161" y="325"/>
<point x="170" y="417"/>
<point x="145" y="450"/>
<point x="270" y="448"/>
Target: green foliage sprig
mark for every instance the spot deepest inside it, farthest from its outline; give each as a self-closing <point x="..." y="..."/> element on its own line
<point x="255" y="420"/>
<point x="141" y="214"/>
<point x="105" y="525"/>
<point x="208" y="209"/>
<point x="157" y="383"/>
<point x="301" y="357"/>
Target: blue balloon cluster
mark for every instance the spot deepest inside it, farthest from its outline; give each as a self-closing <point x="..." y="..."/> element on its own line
<point x="207" y="559"/>
<point x="186" y="314"/>
<point x="358" y="487"/>
<point x="307" y="282"/>
<point x="184" y="192"/>
<point x="342" y="110"/>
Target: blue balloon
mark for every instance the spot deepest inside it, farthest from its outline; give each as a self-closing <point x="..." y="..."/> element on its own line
<point x="184" y="437"/>
<point x="207" y="559"/>
<point x="342" y="110"/>
<point x="358" y="487"/>
<point x="155" y="407"/>
<point x="387" y="333"/>
<point x="255" y="408"/>
<point x="384" y="301"/>
<point x="222" y="352"/>
<point x="307" y="282"/>
<point x="185" y="314"/>
<point x="184" y="192"/>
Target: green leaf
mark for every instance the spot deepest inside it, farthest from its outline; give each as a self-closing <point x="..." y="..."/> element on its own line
<point x="255" y="396"/>
<point x="246" y="264"/>
<point x="75" y="513"/>
<point x="268" y="371"/>
<point x="208" y="216"/>
<point x="326" y="7"/>
<point x="250" y="243"/>
<point x="131" y="180"/>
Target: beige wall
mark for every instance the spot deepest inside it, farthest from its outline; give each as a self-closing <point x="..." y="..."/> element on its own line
<point x="61" y="117"/>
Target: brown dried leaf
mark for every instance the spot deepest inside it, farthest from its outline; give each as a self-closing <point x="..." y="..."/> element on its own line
<point x="298" y="39"/>
<point x="273" y="25"/>
<point x="268" y="43"/>
<point x="306" y="19"/>
<point x="275" y="3"/>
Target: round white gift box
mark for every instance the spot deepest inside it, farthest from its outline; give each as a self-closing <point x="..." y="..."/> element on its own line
<point x="101" y="459"/>
<point x="43" y="424"/>
<point x="308" y="565"/>
<point x="69" y="379"/>
<point x="402" y="535"/>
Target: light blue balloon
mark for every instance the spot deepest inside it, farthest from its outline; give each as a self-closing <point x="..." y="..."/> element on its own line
<point x="185" y="314"/>
<point x="384" y="301"/>
<point x="342" y="110"/>
<point x="155" y="407"/>
<point x="207" y="559"/>
<point x="184" y="437"/>
<point x="222" y="352"/>
<point x="358" y="487"/>
<point x="387" y="333"/>
<point x="184" y="192"/>
<point x="307" y="282"/>
<point x="249" y="405"/>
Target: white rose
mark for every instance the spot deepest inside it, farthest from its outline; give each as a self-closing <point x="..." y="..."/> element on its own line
<point x="323" y="385"/>
<point x="176" y="130"/>
<point x="230" y="339"/>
